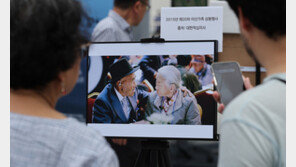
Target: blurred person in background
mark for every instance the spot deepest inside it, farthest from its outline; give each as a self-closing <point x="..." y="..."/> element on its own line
<point x="118" y="26"/>
<point x="45" y="61"/>
<point x="201" y="69"/>
<point x="189" y="80"/>
<point x="183" y="63"/>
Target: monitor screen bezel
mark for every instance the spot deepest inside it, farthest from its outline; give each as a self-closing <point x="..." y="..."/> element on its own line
<point x="215" y="134"/>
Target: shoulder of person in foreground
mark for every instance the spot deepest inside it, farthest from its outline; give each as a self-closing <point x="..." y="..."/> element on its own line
<point x="86" y="147"/>
<point x="269" y="96"/>
<point x="252" y="128"/>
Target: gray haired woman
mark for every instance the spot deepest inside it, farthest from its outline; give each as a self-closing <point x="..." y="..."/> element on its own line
<point x="168" y="99"/>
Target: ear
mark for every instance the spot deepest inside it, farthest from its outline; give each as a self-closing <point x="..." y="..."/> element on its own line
<point x="245" y="25"/>
<point x="172" y="87"/>
<point x="117" y="84"/>
<point x="61" y="77"/>
<point x="137" y="7"/>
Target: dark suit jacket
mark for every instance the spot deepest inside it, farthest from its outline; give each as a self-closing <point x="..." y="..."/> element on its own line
<point x="149" y="65"/>
<point x="108" y="109"/>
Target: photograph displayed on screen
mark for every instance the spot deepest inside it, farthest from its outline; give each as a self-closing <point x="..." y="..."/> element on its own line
<point x="147" y="90"/>
<point x="151" y="89"/>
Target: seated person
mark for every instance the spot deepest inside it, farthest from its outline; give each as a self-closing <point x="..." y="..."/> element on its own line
<point x="202" y="69"/>
<point x="172" y="60"/>
<point x="189" y="80"/>
<point x="168" y="98"/>
<point x="120" y="101"/>
<point x="183" y="63"/>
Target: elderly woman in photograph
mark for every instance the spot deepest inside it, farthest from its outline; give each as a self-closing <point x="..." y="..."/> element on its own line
<point x="168" y="99"/>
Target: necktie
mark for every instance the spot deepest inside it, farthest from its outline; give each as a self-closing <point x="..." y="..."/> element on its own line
<point x="125" y="107"/>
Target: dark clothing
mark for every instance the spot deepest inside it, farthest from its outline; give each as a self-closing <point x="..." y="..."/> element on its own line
<point x="190" y="80"/>
<point x="149" y="65"/>
<point x="108" y="109"/>
<point x="128" y="153"/>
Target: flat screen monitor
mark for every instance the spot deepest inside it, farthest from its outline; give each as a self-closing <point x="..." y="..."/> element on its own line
<point x="152" y="90"/>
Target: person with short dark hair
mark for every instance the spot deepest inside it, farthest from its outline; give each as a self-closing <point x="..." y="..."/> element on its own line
<point x="184" y="60"/>
<point x="120" y="21"/>
<point x="253" y="128"/>
<point x="45" y="61"/>
<point x="189" y="79"/>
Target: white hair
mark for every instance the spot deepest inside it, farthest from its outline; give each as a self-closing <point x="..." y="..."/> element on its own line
<point x="171" y="74"/>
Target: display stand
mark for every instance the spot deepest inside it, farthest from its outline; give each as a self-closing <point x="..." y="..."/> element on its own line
<point x="154" y="153"/>
<point x="153" y="39"/>
<point x="258" y="73"/>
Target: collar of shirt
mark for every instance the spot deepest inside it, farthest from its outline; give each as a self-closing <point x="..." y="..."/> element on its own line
<point x="275" y="76"/>
<point x="121" y="22"/>
<point x="120" y="97"/>
<point x="124" y="102"/>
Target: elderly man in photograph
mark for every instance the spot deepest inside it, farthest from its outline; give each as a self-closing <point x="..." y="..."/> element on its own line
<point x="120" y="101"/>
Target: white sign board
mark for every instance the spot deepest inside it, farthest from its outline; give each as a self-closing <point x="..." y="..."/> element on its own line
<point x="192" y="23"/>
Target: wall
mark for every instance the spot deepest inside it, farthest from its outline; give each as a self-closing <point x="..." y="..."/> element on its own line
<point x="156" y="5"/>
<point x="233" y="50"/>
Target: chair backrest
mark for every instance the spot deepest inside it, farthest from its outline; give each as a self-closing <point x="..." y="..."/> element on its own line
<point x="148" y="85"/>
<point x="208" y="105"/>
<point x="200" y="110"/>
<point x="90" y="103"/>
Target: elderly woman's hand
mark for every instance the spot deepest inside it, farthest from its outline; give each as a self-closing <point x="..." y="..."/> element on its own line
<point x="186" y="91"/>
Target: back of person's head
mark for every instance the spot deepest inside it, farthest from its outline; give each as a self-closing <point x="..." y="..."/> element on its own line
<point x="267" y="15"/>
<point x="191" y="82"/>
<point x="45" y="40"/>
<point x="124" y="4"/>
<point x="184" y="60"/>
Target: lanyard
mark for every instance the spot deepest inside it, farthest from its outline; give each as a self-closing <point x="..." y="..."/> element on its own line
<point x="283" y="81"/>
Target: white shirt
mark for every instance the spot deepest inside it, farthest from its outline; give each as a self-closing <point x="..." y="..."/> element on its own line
<point x="124" y="103"/>
<point x="253" y="129"/>
<point x="112" y="28"/>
